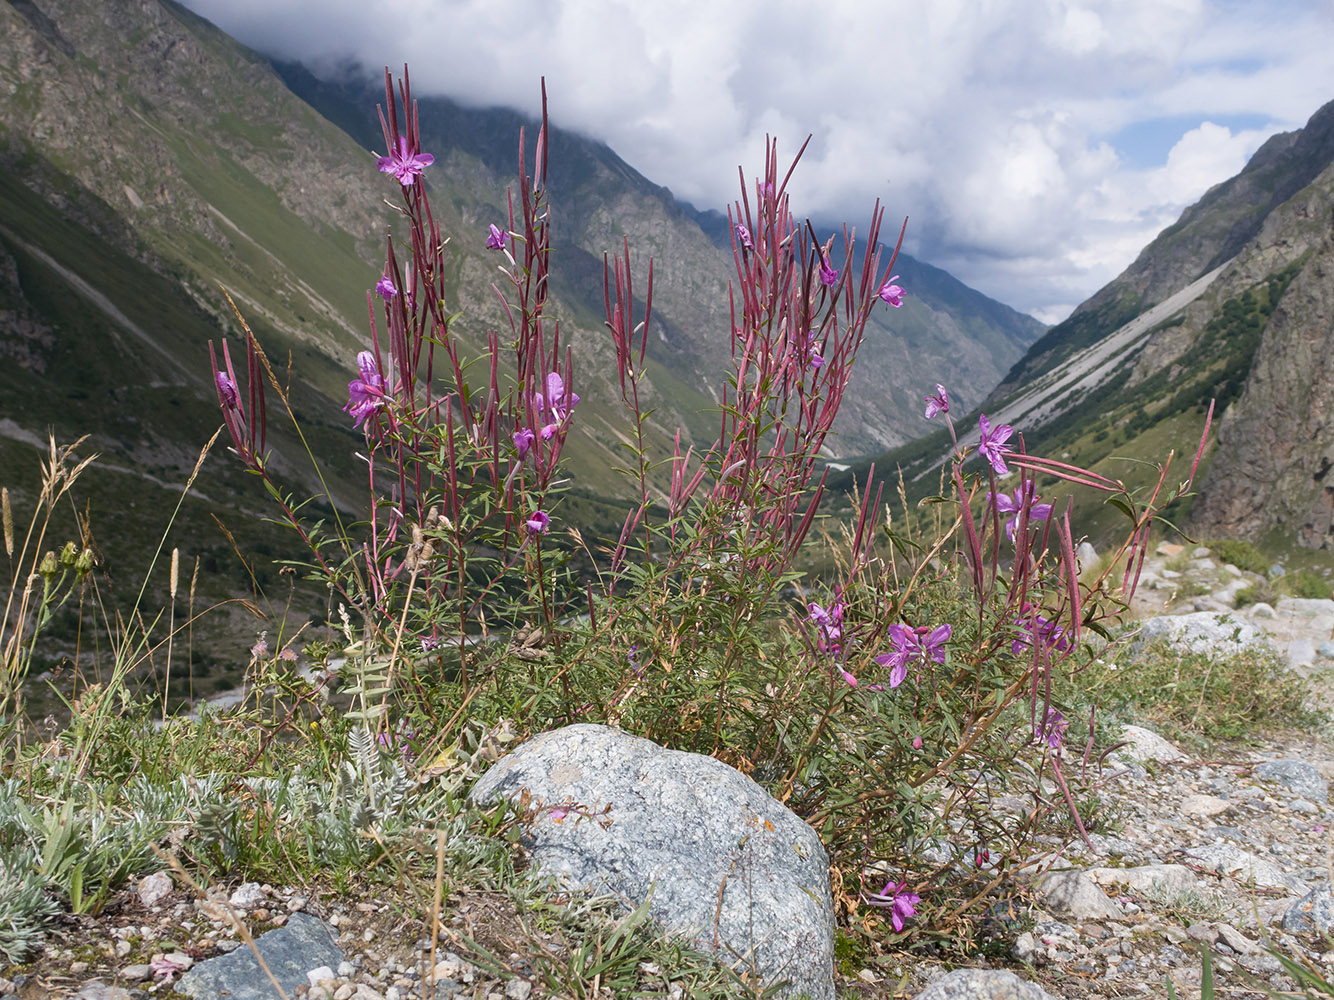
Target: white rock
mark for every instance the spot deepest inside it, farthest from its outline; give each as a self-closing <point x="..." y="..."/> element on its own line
<point x="717" y="857"/>
<point x="323" y="974"/>
<point x="1245" y="867"/>
<point x="1306" y="607"/>
<point x="1300" y="653"/>
<point x="1143" y="744"/>
<point x="1235" y="939"/>
<point x="1261" y="610"/>
<point x="248" y="896"/>
<point x="1202" y="632"/>
<point x="1074" y="895"/>
<point x="1204" y="805"/>
<point x="154" y="888"/>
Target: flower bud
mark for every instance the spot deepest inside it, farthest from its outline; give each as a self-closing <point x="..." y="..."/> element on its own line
<point x="84" y="564"/>
<point x="69" y="555"/>
<point x="48" y="567"/>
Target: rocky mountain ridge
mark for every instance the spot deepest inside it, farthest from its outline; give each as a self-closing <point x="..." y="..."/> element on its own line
<point x="1231" y="305"/>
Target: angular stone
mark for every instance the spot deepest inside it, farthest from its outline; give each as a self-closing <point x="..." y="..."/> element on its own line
<point x="1143" y="744"/>
<point x="1073" y="894"/>
<point x="1204" y="805"/>
<point x="304" y="943"/>
<point x="1235" y="939"/>
<point x="154" y="888"/>
<point x="1313" y="912"/>
<point x="1297" y="776"/>
<point x="982" y="984"/>
<point x="248" y="896"/>
<point x="720" y="861"/>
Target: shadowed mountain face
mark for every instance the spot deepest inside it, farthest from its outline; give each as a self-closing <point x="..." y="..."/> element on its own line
<point x="148" y="162"/>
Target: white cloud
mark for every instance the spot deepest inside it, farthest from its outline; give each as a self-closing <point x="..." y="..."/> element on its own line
<point x="986" y="121"/>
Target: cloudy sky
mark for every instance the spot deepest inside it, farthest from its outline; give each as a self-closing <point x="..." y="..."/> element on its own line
<point x="1036" y="145"/>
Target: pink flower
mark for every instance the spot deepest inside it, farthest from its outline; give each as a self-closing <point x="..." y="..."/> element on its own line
<point x="288" y="655"/>
<point x="816" y="361"/>
<point x="917" y="743"/>
<point x="495" y="239"/>
<point x="557" y="402"/>
<point x="847" y="677"/>
<point x="404" y="164"/>
<point x="830" y="624"/>
<point x="992" y="444"/>
<point x="939" y="403"/>
<point x="1035" y="627"/>
<point x="1004" y="505"/>
<point x="902" y="905"/>
<point x="365" y="394"/>
<point x="260" y="649"/>
<point x="828" y="274"/>
<point x="1053" y="728"/>
<point x="227" y="391"/>
<point x="523" y="440"/>
<point x="743" y="237"/>
<point x="893" y="294"/>
<point x="913" y="645"/>
<point x="163" y="966"/>
<point x="539" y="522"/>
<point x="385" y="288"/>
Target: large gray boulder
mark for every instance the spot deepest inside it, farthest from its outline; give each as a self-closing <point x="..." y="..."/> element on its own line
<point x="1201" y="632"/>
<point x="722" y="862"/>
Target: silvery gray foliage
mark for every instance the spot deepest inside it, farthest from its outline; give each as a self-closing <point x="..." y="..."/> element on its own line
<point x="721" y="862"/>
<point x="26" y="903"/>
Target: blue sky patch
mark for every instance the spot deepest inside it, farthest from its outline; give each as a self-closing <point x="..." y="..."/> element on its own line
<point x="1147" y="143"/>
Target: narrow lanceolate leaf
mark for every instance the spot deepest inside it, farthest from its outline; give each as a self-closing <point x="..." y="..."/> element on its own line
<point x="8" y="517"/>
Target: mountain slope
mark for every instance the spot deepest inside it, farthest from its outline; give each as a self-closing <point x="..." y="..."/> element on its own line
<point x="1208" y="234"/>
<point x="148" y="161"/>
<point x="945" y="330"/>
<point x="1234" y="303"/>
<point x="1276" y="445"/>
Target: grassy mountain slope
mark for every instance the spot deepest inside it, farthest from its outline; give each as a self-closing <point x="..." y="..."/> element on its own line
<point x="945" y="330"/>
<point x="148" y="161"/>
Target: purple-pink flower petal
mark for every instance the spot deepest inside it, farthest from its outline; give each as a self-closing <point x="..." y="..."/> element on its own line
<point x="893" y="294"/>
<point x="404" y="164"/>
<point x="940" y="402"/>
